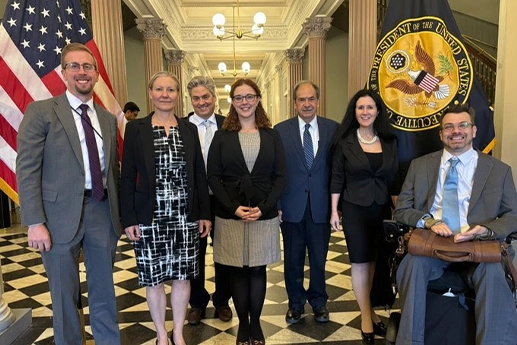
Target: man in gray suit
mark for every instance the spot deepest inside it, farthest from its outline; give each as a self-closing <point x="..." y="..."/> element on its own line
<point x="68" y="173"/>
<point x="487" y="203"/>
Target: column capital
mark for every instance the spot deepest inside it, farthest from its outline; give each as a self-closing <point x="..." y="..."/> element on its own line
<point x="317" y="26"/>
<point x="278" y="69"/>
<point x="294" y="55"/>
<point x="151" y="27"/>
<point x="174" y="56"/>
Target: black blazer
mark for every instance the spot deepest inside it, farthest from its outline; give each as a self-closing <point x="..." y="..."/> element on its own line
<point x="232" y="183"/>
<point x="138" y="180"/>
<point x="353" y="177"/>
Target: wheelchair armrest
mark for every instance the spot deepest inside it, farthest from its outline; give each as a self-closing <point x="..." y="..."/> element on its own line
<point x="511" y="237"/>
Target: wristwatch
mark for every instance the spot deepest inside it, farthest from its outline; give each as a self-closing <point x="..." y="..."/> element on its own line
<point x="429" y="221"/>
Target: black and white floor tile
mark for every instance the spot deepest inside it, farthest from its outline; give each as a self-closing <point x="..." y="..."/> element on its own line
<point x="25" y="286"/>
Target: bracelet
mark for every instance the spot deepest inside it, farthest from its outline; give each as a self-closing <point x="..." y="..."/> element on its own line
<point x="429" y="223"/>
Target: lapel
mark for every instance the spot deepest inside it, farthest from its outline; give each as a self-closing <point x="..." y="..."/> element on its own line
<point x="323" y="140"/>
<point x="355" y="149"/>
<point x="233" y="139"/>
<point x="104" y="119"/>
<point x="294" y="135"/>
<point x="432" y="168"/>
<point x="219" y="119"/>
<point x="146" y="142"/>
<point x="63" y="112"/>
<point x="480" y="177"/>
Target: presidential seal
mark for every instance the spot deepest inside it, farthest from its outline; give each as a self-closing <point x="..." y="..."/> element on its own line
<point x="419" y="69"/>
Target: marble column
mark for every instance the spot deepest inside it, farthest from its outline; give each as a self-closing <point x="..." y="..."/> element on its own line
<point x="109" y="36"/>
<point x="316" y="28"/>
<point x="294" y="59"/>
<point x="174" y="60"/>
<point x="153" y="29"/>
<point x="362" y="41"/>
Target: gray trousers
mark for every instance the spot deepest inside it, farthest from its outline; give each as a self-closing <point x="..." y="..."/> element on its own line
<point x="496" y="315"/>
<point x="98" y="242"/>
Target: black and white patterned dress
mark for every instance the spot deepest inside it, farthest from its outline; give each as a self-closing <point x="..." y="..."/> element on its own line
<point x="169" y="247"/>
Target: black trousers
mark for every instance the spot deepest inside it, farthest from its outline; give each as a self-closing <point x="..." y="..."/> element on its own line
<point x="199" y="296"/>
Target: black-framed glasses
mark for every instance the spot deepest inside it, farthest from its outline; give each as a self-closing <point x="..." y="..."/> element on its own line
<point x="75" y="67"/>
<point x="449" y="127"/>
<point x="239" y="98"/>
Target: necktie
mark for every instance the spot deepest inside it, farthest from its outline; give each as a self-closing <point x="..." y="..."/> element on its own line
<point x="209" y="135"/>
<point x="93" y="154"/>
<point x="450" y="205"/>
<point x="307" y="146"/>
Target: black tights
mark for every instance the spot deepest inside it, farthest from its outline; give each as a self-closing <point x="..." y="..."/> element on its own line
<point x="249" y="293"/>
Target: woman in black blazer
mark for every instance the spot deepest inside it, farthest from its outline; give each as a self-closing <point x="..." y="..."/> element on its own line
<point x="246" y="171"/>
<point x="364" y="170"/>
<point x="164" y="203"/>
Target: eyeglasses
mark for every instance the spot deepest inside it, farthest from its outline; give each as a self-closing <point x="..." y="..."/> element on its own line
<point x="75" y="67"/>
<point x="239" y="98"/>
<point x="449" y="127"/>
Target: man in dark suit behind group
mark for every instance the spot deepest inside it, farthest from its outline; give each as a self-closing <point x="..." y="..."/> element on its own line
<point x="202" y="96"/>
<point x="487" y="205"/>
<point x="304" y="207"/>
<point x="68" y="203"/>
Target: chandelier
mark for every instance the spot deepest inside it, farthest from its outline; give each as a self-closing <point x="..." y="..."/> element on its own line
<point x="221" y="33"/>
<point x="246" y="67"/>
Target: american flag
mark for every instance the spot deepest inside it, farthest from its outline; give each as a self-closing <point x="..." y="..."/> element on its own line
<point x="32" y="35"/>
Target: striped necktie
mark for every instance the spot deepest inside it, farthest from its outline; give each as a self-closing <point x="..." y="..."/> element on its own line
<point x="308" y="149"/>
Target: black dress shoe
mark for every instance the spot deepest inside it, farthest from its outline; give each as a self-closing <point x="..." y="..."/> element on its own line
<point x="293" y="316"/>
<point x="321" y="314"/>
<point x="368" y="338"/>
<point x="195" y="315"/>
<point x="224" y="313"/>
<point x="379" y="329"/>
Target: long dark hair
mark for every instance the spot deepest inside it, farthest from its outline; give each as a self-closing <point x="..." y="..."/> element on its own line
<point x="381" y="125"/>
<point x="231" y="123"/>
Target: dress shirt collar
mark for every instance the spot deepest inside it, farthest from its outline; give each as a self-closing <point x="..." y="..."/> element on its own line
<point x="464" y="158"/>
<point x="313" y="123"/>
<point x="198" y="120"/>
<point x="75" y="102"/>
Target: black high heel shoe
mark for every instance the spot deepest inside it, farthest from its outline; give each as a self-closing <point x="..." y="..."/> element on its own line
<point x="379" y="329"/>
<point x="368" y="338"/>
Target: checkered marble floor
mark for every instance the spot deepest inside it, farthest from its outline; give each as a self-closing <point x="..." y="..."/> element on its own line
<point x="25" y="286"/>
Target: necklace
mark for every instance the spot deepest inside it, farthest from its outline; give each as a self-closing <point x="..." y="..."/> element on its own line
<point x="366" y="142"/>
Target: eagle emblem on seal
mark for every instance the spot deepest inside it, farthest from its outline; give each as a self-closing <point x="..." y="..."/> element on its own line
<point x="424" y="80"/>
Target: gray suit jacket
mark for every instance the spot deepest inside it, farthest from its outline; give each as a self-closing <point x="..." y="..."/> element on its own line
<point x="50" y="169"/>
<point x="493" y="202"/>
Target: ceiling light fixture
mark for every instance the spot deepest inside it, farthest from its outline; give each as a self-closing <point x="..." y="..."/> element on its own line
<point x="221" y="33"/>
<point x="245" y="67"/>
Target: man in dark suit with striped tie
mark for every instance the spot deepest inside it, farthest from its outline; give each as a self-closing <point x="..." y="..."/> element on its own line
<point x="304" y="207"/>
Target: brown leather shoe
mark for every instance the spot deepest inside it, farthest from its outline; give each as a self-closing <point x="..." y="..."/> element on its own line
<point x="195" y="315"/>
<point x="224" y="313"/>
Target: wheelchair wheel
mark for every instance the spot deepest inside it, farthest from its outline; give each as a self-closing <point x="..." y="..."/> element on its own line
<point x="392" y="328"/>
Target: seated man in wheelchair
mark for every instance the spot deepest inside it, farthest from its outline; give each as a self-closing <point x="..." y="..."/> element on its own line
<point x="464" y="193"/>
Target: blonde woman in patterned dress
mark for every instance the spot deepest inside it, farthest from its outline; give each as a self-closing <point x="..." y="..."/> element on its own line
<point x="246" y="171"/>
<point x="165" y="204"/>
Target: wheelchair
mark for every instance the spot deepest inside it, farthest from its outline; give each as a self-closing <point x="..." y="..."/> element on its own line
<point x="460" y="307"/>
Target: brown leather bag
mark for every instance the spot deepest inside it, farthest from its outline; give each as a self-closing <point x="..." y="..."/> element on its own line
<point x="426" y="243"/>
